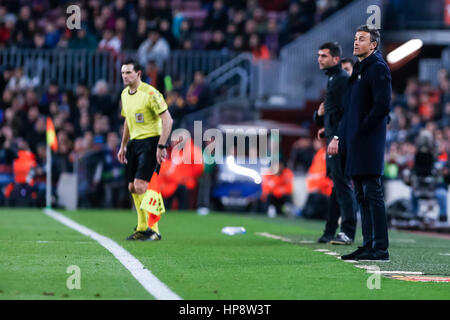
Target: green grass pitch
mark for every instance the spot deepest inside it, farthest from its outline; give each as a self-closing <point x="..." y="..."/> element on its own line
<point x="196" y="261"/>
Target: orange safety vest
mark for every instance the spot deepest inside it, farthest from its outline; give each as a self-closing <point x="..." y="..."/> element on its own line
<point x="278" y="185"/>
<point x="172" y="175"/>
<point x="22" y="166"/>
<point x="316" y="179"/>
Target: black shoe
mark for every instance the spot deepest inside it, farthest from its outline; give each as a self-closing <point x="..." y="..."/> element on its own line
<point x="342" y="238"/>
<point x="354" y="255"/>
<point x="374" y="255"/>
<point x="325" y="238"/>
<point x="147" y="235"/>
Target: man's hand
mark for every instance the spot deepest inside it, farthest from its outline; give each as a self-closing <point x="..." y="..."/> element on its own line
<point x="321" y="110"/>
<point x="161" y="155"/>
<point x="121" y="155"/>
<point x="320" y="133"/>
<point x="333" y="147"/>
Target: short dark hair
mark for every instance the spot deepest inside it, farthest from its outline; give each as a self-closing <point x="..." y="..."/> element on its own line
<point x="374" y="33"/>
<point x="334" y="47"/>
<point x="136" y="66"/>
<point x="347" y="60"/>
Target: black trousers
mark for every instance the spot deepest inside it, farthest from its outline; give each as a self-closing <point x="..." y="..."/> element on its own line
<point x="369" y="193"/>
<point x="278" y="202"/>
<point x="342" y="201"/>
<point x="182" y="195"/>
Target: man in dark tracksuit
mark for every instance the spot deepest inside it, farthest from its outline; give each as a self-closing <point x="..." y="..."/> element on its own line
<point x="342" y="200"/>
<point x="363" y="130"/>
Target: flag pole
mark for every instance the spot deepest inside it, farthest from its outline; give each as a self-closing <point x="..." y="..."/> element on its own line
<point x="48" y="189"/>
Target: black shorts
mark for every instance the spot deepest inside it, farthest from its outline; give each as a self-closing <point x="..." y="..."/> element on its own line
<point x="141" y="158"/>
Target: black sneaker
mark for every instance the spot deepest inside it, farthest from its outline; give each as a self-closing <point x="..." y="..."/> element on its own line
<point x="374" y="255"/>
<point x="354" y="255"/>
<point x="147" y="235"/>
<point x="325" y="238"/>
<point x="342" y="238"/>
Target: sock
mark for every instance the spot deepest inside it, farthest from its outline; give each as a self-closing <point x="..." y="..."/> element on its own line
<point x="142" y="215"/>
<point x="153" y="222"/>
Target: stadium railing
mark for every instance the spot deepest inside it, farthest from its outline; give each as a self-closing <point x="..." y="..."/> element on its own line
<point x="428" y="68"/>
<point x="70" y="67"/>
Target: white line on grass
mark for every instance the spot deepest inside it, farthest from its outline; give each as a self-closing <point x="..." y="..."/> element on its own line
<point x="331" y="253"/>
<point x="372" y="269"/>
<point x="273" y="236"/>
<point x="144" y="276"/>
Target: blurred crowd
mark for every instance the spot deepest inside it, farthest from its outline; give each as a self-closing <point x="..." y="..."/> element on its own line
<point x="157" y="27"/>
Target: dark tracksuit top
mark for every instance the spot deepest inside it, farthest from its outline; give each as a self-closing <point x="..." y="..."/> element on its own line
<point x="334" y="108"/>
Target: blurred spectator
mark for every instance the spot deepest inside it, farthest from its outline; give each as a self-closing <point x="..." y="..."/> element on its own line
<point x="185" y="32"/>
<point x="141" y="34"/>
<point x="51" y="95"/>
<point x="179" y="175"/>
<point x="293" y="25"/>
<point x="153" y="76"/>
<point x="217" y="16"/>
<point x="154" y="48"/>
<point x="22" y="193"/>
<point x="318" y="184"/>
<point x="52" y="36"/>
<point x="161" y="12"/>
<point x="272" y="38"/>
<point x="110" y="42"/>
<point x="21" y="82"/>
<point x="6" y="75"/>
<point x="82" y="39"/>
<point x="347" y="65"/>
<point x="218" y="41"/>
<point x="205" y="182"/>
<point x="7" y="28"/>
<point x="259" y="16"/>
<point x="301" y="155"/>
<point x="177" y="107"/>
<point x="239" y="45"/>
<point x="258" y="50"/>
<point x="166" y="33"/>
<point x="113" y="176"/>
<point x="277" y="190"/>
<point x="39" y="41"/>
<point x="199" y="94"/>
<point x="101" y="100"/>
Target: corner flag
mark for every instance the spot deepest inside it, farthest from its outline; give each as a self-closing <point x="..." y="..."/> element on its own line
<point x="51" y="135"/>
<point x="153" y="202"/>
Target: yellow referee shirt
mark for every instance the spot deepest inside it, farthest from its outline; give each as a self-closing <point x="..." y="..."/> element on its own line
<point x="141" y="111"/>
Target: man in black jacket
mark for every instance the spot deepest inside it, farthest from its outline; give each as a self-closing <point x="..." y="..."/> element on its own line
<point x="342" y="200"/>
<point x="363" y="131"/>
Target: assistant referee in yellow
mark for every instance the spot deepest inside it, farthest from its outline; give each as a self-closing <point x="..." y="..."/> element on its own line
<point x="146" y="128"/>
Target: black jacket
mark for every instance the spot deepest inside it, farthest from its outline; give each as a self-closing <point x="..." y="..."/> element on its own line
<point x="334" y="108"/>
<point x="362" y="130"/>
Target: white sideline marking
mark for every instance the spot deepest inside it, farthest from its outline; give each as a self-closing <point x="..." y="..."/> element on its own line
<point x="444" y="254"/>
<point x="403" y="240"/>
<point x="331" y="253"/>
<point x="144" y="276"/>
<point x="372" y="270"/>
<point x="395" y="272"/>
<point x="273" y="236"/>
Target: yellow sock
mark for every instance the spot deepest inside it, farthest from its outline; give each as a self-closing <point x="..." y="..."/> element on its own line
<point x="142" y="215"/>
